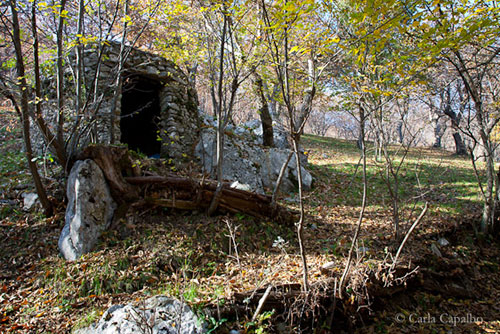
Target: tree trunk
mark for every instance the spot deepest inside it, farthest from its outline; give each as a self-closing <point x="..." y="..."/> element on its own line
<point x="362" y="124"/>
<point x="24" y="110"/>
<point x="455" y="124"/>
<point x="60" y="75"/>
<point x="119" y="78"/>
<point x="438" y="133"/>
<point x="305" y="108"/>
<point x="264" y="114"/>
<point x="460" y="148"/>
<point x="221" y="123"/>
<point x="400" y="132"/>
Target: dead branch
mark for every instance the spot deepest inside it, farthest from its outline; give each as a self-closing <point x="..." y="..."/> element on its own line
<point x="417" y="221"/>
<point x="262" y="301"/>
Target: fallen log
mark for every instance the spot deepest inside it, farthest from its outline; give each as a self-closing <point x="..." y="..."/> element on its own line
<point x="129" y="186"/>
<point x="187" y="193"/>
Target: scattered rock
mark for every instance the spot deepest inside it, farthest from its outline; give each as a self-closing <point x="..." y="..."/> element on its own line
<point x="240" y="186"/>
<point x="326" y="268"/>
<point x="8" y="202"/>
<point x="435" y="250"/>
<point x="443" y="242"/>
<point x="363" y="249"/>
<point x="89" y="212"/>
<point x="292" y="200"/>
<point x="157" y="315"/>
<point x="328" y="265"/>
<point x="29" y="200"/>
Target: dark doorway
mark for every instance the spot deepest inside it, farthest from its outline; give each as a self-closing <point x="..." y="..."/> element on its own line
<point x="140" y="114"/>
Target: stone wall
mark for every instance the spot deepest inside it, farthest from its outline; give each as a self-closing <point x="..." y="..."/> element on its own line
<point x="179" y="119"/>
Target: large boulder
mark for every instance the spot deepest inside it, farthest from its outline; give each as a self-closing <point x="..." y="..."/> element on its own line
<point x="241" y="159"/>
<point x="89" y="212"/>
<point x="272" y="161"/>
<point x="254" y="129"/>
<point x="157" y="315"/>
<point x="248" y="163"/>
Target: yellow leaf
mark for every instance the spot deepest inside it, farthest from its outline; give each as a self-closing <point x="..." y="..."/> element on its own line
<point x="290" y="7"/>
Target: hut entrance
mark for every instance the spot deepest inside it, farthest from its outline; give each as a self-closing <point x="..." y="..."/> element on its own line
<point x="140" y="114"/>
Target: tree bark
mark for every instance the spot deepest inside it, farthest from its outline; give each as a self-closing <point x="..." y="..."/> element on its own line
<point x="24" y="110"/>
<point x="53" y="144"/>
<point x="60" y="75"/>
<point x="460" y="148"/>
<point x="399" y="129"/>
<point x="219" y="111"/>
<point x="438" y="131"/>
<point x="455" y="121"/>
<point x="362" y="124"/>
<point x="119" y="77"/>
<point x="264" y="114"/>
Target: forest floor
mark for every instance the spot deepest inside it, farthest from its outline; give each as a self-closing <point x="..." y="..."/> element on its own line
<point x="192" y="257"/>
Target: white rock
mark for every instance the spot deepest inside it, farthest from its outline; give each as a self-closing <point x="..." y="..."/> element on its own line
<point x="29" y="200"/>
<point x="246" y="161"/>
<point x="436" y="250"/>
<point x="443" y="242"/>
<point x="158" y="315"/>
<point x="240" y="186"/>
<point x="328" y="265"/>
<point x="89" y="212"/>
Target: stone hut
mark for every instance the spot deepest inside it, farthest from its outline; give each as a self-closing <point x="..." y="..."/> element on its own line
<point x="156" y="110"/>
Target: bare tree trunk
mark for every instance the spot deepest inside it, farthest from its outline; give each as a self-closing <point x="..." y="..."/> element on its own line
<point x="460" y="148"/>
<point x="60" y="75"/>
<point x="300" y="223"/>
<point x="79" y="82"/>
<point x="24" y="110"/>
<point x="273" y="103"/>
<point x="52" y="142"/>
<point x="399" y="129"/>
<point x="361" y="213"/>
<point x="490" y="195"/>
<point x="362" y="124"/>
<point x="305" y="108"/>
<point x="220" y="122"/>
<point x="79" y="60"/>
<point x="282" y="73"/>
<point x="455" y="121"/>
<point x="439" y="130"/>
<point x="265" y="116"/>
<point x="455" y="124"/>
<point x="280" y="177"/>
<point x="119" y="77"/>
